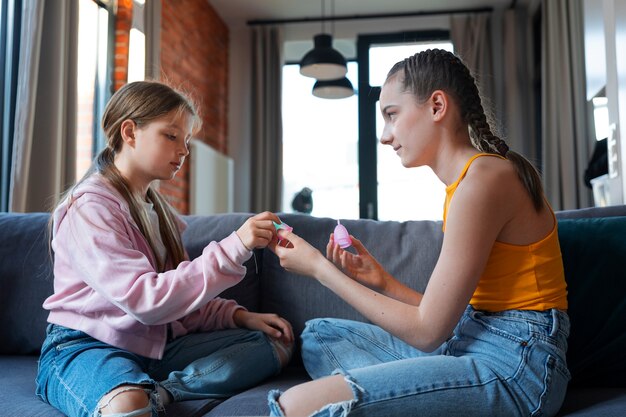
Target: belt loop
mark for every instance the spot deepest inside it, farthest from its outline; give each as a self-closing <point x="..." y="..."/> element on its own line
<point x="555" y="322"/>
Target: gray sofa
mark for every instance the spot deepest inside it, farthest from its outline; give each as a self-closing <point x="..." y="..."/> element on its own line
<point x="593" y="242"/>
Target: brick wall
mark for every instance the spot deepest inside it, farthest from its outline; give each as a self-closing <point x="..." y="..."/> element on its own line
<point x="194" y="58"/>
<point x="123" y="23"/>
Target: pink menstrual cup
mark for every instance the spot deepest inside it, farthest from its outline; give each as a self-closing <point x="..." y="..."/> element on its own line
<point x="342" y="237"/>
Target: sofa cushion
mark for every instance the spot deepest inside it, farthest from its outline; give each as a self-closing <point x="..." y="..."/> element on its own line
<point x="17" y="389"/>
<point x="25" y="280"/>
<point x="593" y="256"/>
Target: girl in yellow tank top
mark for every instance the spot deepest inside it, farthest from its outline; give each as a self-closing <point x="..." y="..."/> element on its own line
<point x="518" y="277"/>
<point x="488" y="336"/>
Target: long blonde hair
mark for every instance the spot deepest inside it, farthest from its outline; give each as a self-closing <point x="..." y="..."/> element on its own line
<point x="142" y="102"/>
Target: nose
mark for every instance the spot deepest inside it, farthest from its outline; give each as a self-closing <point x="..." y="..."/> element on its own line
<point x="184" y="149"/>
<point x="386" y="137"/>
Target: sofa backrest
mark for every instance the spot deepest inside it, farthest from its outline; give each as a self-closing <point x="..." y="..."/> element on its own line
<point x="408" y="250"/>
<point x="594" y="254"/>
<point x="25" y="281"/>
<point x="26" y="273"/>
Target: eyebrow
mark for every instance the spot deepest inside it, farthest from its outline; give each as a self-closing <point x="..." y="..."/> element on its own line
<point x="384" y="109"/>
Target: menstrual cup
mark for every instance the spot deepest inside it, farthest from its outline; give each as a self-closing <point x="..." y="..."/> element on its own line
<point x="282" y="226"/>
<point x="342" y="237"/>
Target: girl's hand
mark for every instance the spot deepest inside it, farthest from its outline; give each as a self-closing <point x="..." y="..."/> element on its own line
<point x="270" y="324"/>
<point x="297" y="255"/>
<point x="258" y="231"/>
<point x="361" y="267"/>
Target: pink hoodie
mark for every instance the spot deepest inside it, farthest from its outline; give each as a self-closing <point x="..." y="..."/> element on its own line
<point x="106" y="282"/>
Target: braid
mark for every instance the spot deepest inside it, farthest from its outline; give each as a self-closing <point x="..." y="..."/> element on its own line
<point x="437" y="69"/>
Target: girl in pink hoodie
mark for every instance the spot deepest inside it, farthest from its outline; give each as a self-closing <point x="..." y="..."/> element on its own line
<point x="135" y="324"/>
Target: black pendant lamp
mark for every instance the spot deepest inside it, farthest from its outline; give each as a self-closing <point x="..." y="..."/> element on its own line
<point x="323" y="62"/>
<point x="333" y="89"/>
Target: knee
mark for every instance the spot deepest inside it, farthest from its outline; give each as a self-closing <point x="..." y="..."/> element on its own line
<point x="128" y="400"/>
<point x="319" y="326"/>
<point x="319" y="331"/>
<point x="283" y="351"/>
<point x="305" y="399"/>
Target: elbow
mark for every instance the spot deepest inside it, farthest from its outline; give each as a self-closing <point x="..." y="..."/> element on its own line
<point x="429" y="342"/>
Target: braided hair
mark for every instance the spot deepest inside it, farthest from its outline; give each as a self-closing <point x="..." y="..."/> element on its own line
<point x="438" y="69"/>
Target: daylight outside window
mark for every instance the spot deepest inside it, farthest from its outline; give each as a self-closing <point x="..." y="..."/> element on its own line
<point x="92" y="53"/>
<point x="320" y="146"/>
<point x="320" y="149"/>
<point x="403" y="193"/>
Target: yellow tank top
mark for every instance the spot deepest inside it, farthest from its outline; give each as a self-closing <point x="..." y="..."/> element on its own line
<point x="518" y="277"/>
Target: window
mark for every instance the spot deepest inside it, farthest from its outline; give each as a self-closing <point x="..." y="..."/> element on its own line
<point x="10" y="26"/>
<point x="601" y="117"/>
<point x="403" y="194"/>
<point x="95" y="24"/>
<point x="390" y="191"/>
<point x="332" y="146"/>
<point x="320" y="145"/>
<point x="137" y="44"/>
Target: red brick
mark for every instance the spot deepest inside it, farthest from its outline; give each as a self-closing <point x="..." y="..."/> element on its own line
<point x="194" y="58"/>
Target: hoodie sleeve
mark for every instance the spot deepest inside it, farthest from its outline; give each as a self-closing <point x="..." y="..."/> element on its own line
<point x="216" y="315"/>
<point x="114" y="259"/>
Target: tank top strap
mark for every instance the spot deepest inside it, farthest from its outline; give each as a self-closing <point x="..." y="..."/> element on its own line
<point x="450" y="189"/>
<point x="469" y="163"/>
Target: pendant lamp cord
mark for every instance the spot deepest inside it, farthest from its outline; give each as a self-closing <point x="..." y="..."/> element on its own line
<point x="332" y="21"/>
<point x="332" y="13"/>
<point x="323" y="16"/>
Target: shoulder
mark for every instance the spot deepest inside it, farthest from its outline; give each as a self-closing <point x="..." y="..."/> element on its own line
<point x="487" y="197"/>
<point x="491" y="180"/>
<point x="96" y="199"/>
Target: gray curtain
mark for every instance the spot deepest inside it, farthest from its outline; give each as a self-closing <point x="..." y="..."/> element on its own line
<point x="471" y="37"/>
<point x="266" y="124"/>
<point x="518" y="76"/>
<point x="497" y="49"/>
<point x="566" y="145"/>
<point x="152" y="26"/>
<point x="44" y="154"/>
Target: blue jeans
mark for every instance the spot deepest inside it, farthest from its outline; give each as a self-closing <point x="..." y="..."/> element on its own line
<point x="509" y="363"/>
<point x="76" y="370"/>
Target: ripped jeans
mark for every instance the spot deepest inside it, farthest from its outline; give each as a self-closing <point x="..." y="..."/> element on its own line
<point x="509" y="363"/>
<point x="76" y="370"/>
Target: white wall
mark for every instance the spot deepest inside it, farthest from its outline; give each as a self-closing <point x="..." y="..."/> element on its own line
<point x="239" y="89"/>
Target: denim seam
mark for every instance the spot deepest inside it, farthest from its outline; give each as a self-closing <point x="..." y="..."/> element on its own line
<point x="377" y="343"/>
<point x="67" y="387"/>
<point x="373" y="341"/>
<point x="327" y="350"/>
<point x="546" y="384"/>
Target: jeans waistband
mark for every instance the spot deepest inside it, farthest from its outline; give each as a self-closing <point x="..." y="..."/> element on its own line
<point x="556" y="320"/>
